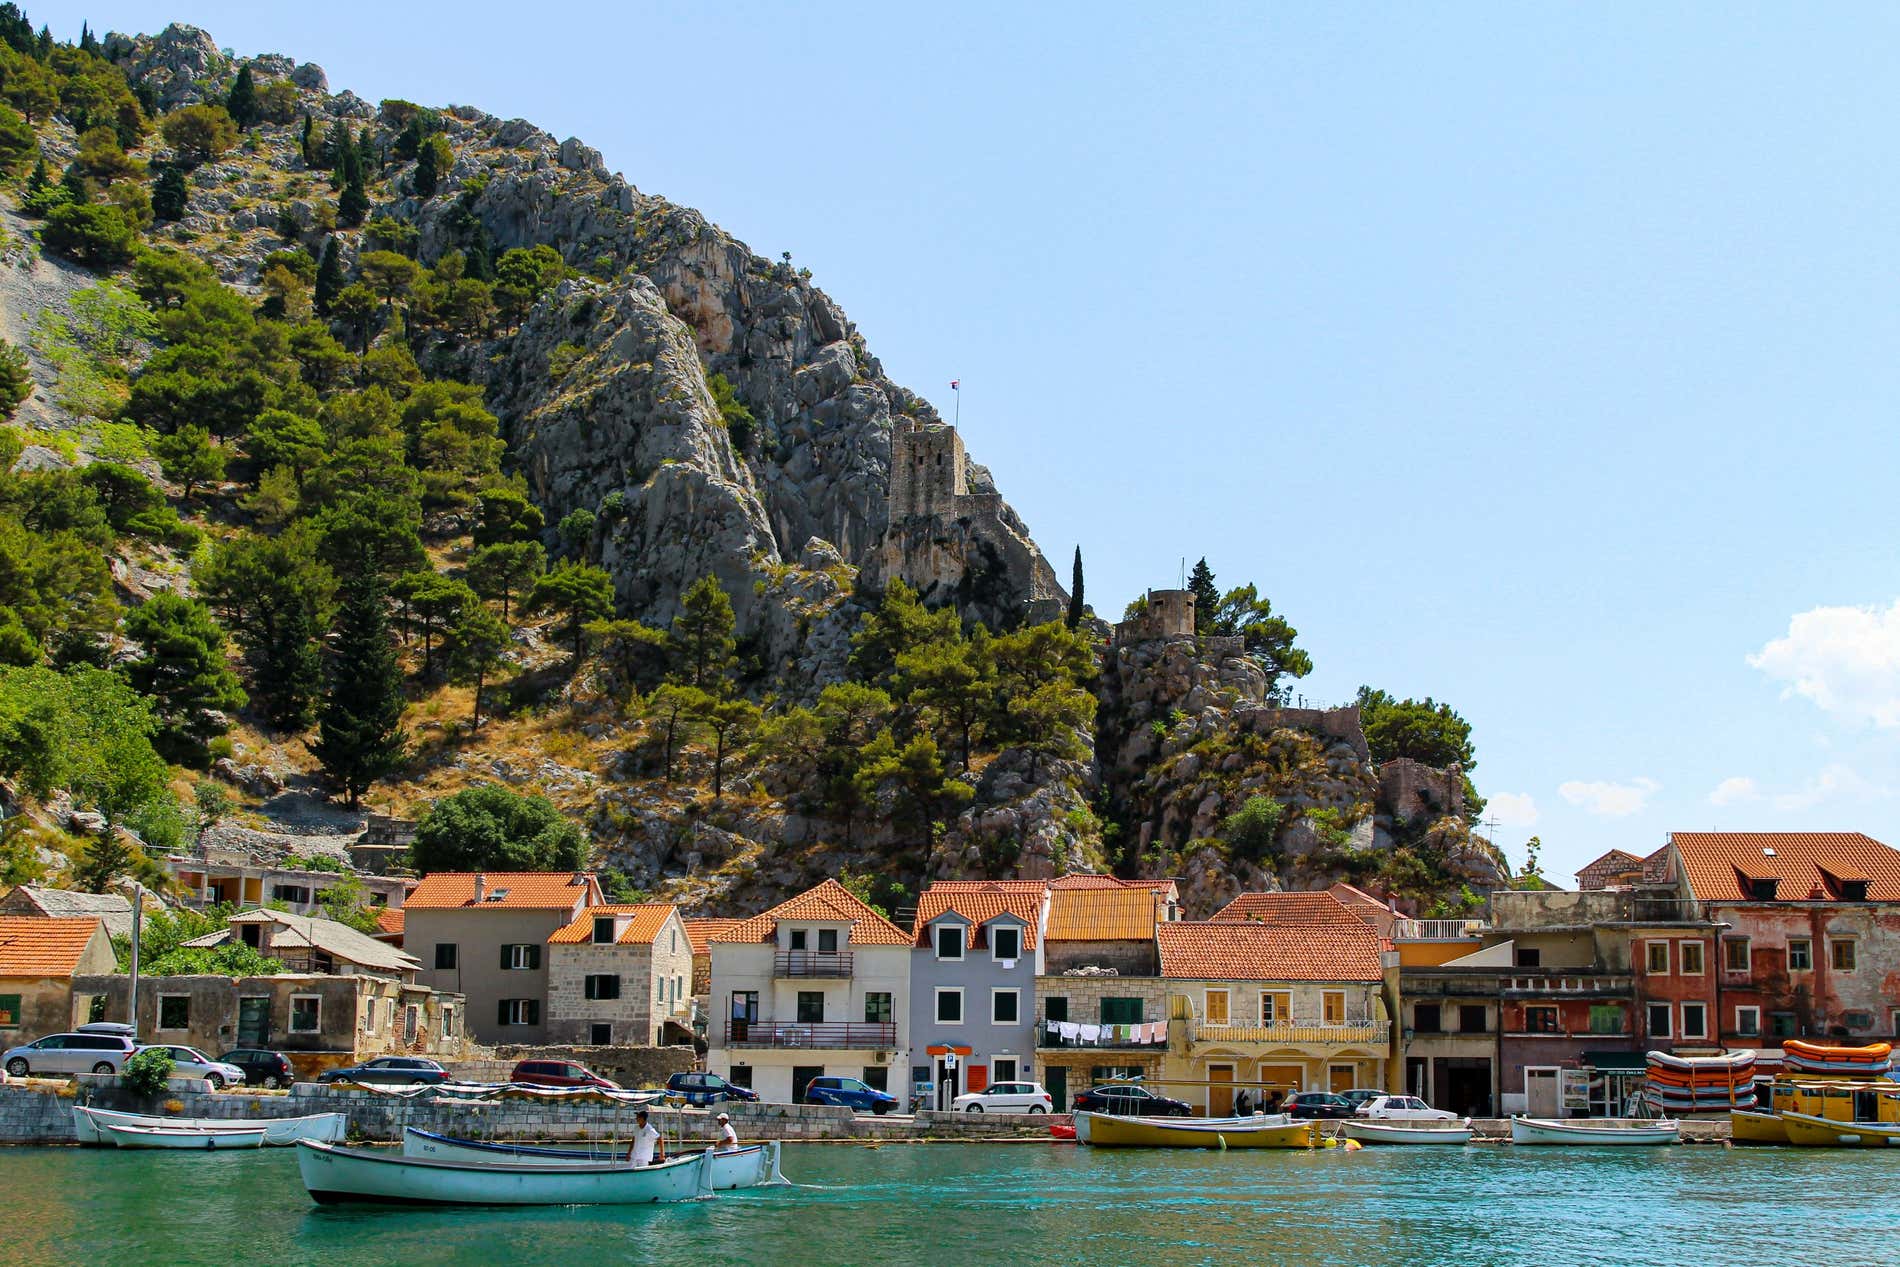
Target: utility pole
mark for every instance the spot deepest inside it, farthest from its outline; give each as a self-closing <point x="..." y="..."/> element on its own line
<point x="138" y="913"/>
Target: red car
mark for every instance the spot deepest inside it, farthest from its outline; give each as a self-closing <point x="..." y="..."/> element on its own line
<point x="558" y="1073"/>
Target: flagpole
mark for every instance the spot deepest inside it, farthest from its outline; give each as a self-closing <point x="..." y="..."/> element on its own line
<point x="957" y="419"/>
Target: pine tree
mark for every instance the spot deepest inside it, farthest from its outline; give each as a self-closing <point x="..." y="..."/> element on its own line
<point x="359" y="727"/>
<point x="241" y="105"/>
<point x="184" y="671"/>
<point x="1206" y="596"/>
<point x="39" y="178"/>
<point x="701" y="637"/>
<point x="74" y="182"/>
<point x="330" y="276"/>
<point x="287" y="667"/>
<point x="352" y="205"/>
<point x="1076" y="607"/>
<point x="428" y="170"/>
<point x="170" y="195"/>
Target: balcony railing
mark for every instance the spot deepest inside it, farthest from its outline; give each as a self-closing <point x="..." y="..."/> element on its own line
<point x="1437" y="930"/>
<point x="869" y="1036"/>
<point x="1063" y="1034"/>
<point x="811" y="963"/>
<point x="1351" y="1030"/>
<point x="1581" y="983"/>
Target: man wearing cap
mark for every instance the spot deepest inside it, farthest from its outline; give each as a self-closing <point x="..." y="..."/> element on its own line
<point x="728" y="1138"/>
<point x="645" y="1141"/>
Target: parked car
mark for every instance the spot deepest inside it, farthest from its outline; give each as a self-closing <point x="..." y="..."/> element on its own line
<point x="1358" y="1096"/>
<point x="558" y="1073"/>
<point x="100" y="1048"/>
<point x="1316" y="1104"/>
<point x="851" y="1093"/>
<point x="262" y="1068"/>
<point x="398" y="1071"/>
<point x="1404" y="1108"/>
<point x="189" y="1062"/>
<point x="1006" y="1097"/>
<point x="705" y="1089"/>
<point x="1130" y="1101"/>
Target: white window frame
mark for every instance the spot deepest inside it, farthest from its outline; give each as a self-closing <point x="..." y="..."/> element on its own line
<point x="1669" y="1020"/>
<point x="158" y="1019"/>
<point x="613" y="930"/>
<point x="997" y="993"/>
<point x="962" y="1012"/>
<point x="936" y="936"/>
<point x="517" y="1012"/>
<point x="1007" y="928"/>
<point x="1748" y="954"/>
<point x="1893" y="1019"/>
<point x="1266" y="1006"/>
<point x="518" y="952"/>
<point x="1748" y="1009"/>
<point x="314" y="1029"/>
<point x="1207" y="1007"/>
<point x="1808" y="942"/>
<point x="1701" y="1010"/>
<point x="1650" y="948"/>
<point x="1682" y="957"/>
<point x="1016" y="1067"/>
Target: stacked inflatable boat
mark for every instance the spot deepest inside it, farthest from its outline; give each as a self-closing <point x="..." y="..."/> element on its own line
<point x="1700" y="1084"/>
<point x="1804" y="1059"/>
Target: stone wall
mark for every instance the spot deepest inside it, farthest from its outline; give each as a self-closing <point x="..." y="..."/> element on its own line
<point x="571" y="1014"/>
<point x="1127" y="957"/>
<point x="633" y="1067"/>
<point x="1167" y="614"/>
<point x="1085" y="995"/>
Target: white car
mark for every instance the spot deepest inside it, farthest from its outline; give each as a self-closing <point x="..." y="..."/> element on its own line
<point x="189" y="1062"/>
<point x="1403" y="1108"/>
<point x="1006" y="1097"/>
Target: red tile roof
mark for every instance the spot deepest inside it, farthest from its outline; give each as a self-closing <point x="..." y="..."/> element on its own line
<point x="980" y="903"/>
<point x="31" y="946"/>
<point x="701" y="931"/>
<point x="525" y="890"/>
<point x="648" y="919"/>
<point x="389" y="922"/>
<point x="1232" y="950"/>
<point x="829" y="902"/>
<point x="1103" y="914"/>
<point x="1806" y="864"/>
<point x="1286" y="908"/>
<point x="1087" y="880"/>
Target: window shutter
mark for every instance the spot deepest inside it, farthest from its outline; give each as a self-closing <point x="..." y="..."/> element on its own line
<point x="534" y="1011"/>
<point x="505" y="957"/>
<point x="501" y="1011"/>
<point x="534" y="957"/>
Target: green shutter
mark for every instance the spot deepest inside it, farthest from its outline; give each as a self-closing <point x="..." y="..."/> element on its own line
<point x="1121" y="1011"/>
<point x="9" y="1009"/>
<point x="534" y="957"/>
<point x="504" y="956"/>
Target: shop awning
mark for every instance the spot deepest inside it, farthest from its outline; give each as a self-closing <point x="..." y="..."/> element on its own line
<point x="1614" y="1061"/>
<point x="944" y="1049"/>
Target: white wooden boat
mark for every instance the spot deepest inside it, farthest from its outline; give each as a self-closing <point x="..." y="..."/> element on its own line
<point x="1276" y="1130"/>
<point x="278" y="1131"/>
<point x="749" y="1166"/>
<point x="333" y="1174"/>
<point x="1594" y="1131"/>
<point x="1385" y="1131"/>
<point x="199" y="1138"/>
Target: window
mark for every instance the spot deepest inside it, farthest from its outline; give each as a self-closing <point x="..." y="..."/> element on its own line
<point x="600" y="1034"/>
<point x="1005" y="1006"/>
<point x="949" y="1005"/>
<point x="1606" y="1018"/>
<point x="811" y="1006"/>
<point x="1656" y="961"/>
<point x="745" y="1005"/>
<point x="740" y="1076"/>
<point x="1695" y="1020"/>
<point x="297" y="893"/>
<point x="521" y="957"/>
<point x="798" y="939"/>
<point x="1853" y="890"/>
<point x="174" y="1011"/>
<point x="1006" y="943"/>
<point x="1472" y="1018"/>
<point x="603" y="930"/>
<point x="877" y="1007"/>
<point x="949" y="941"/>
<point x="1893" y="1019"/>
<point x="1276" y="1007"/>
<point x="1332" y="1007"/>
<point x="306" y="1013"/>
<point x="1689" y="954"/>
<point x="1003" y="1068"/>
<point x="601" y="985"/>
<point x="1762" y="890"/>
<point x="1735" y="954"/>
<point x="1121" y="1011"/>
<point x="1214" y="1011"/>
<point x="1054" y="1008"/>
<point x="659" y="991"/>
<point x="877" y="1077"/>
<point x="1529" y="957"/>
<point x="1781" y="1024"/>
<point x="1858" y="1022"/>
<point x="827" y="941"/>
<point x="1800" y="954"/>
<point x="1540" y="1019"/>
<point x="518" y="1012"/>
<point x="1840" y="954"/>
<point x="1748" y="1021"/>
<point x="1658" y="1017"/>
<point x="1425" y="1018"/>
<point x="9" y="1010"/>
<point x="445" y="956"/>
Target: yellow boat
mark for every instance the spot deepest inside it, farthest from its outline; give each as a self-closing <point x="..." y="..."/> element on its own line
<point x="1263" y="1131"/>
<point x="1753" y="1126"/>
<point x="1807" y="1131"/>
<point x="1847" y="1104"/>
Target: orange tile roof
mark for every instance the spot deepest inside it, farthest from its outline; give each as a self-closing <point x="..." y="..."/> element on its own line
<point x="1714" y="863"/>
<point x="648" y="919"/>
<point x="701" y="931"/>
<point x="1235" y="950"/>
<point x="527" y="890"/>
<point x="1285" y="908"/>
<point x="1088" y="880"/>
<point x="1103" y="914"/>
<point x="31" y="946"/>
<point x="389" y="922"/>
<point x="828" y="902"/>
<point x="980" y="903"/>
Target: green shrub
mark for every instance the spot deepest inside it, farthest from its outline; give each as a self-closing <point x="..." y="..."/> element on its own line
<point x="562" y="359"/>
<point x="1254" y="827"/>
<point x="97" y="235"/>
<point x="146" y="1072"/>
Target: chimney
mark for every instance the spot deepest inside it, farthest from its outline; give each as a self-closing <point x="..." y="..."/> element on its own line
<point x="481" y="882"/>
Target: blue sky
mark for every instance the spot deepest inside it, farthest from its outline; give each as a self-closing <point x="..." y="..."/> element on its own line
<point x="1537" y="358"/>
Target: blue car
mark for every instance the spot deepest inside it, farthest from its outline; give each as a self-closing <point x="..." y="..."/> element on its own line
<point x="851" y="1093"/>
<point x="703" y="1089"/>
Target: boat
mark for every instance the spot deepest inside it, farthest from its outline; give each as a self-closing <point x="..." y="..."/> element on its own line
<point x="1387" y="1131"/>
<point x="278" y="1131"/>
<point x="1275" y="1130"/>
<point x="1805" y="1130"/>
<point x="1756" y="1126"/>
<point x="1800" y="1056"/>
<point x="334" y="1174"/>
<point x="1848" y="1105"/>
<point x="748" y="1166"/>
<point x="1589" y="1131"/>
<point x="186" y="1137"/>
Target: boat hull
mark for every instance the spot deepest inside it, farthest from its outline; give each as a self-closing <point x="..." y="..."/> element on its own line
<point x="1609" y="1133"/>
<point x="334" y="1175"/>
<point x="750" y="1166"/>
<point x="329" y="1128"/>
<point x="1373" y="1132"/>
<point x="1751" y="1126"/>
<point x="1807" y="1131"/>
<point x="185" y="1138"/>
<point x="1106" y="1131"/>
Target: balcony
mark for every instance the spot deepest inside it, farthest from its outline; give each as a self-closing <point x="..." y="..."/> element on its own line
<point x="1573" y="982"/>
<point x="835" y="1035"/>
<point x="811" y="963"/>
<point x="1437" y="930"/>
<point x="1351" y="1030"/>
<point x="1554" y="910"/>
<point x="1139" y="1034"/>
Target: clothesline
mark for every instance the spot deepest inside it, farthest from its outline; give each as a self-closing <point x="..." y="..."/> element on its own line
<point x="1141" y="1033"/>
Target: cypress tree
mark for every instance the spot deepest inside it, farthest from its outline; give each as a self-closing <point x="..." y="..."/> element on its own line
<point x="352" y="205"/>
<point x="309" y="134"/>
<point x="330" y="277"/>
<point x="1206" y="596"/>
<point x="241" y="105"/>
<point x="169" y="194"/>
<point x="1075" y="591"/>
<point x="359" y="725"/>
<point x="367" y="158"/>
<point x="286" y="666"/>
<point x="428" y="171"/>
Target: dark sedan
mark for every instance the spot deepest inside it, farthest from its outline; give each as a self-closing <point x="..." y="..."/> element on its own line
<point x="1128" y="1101"/>
<point x="400" y="1071"/>
<point x="1317" y="1104"/>
<point x="261" y="1068"/>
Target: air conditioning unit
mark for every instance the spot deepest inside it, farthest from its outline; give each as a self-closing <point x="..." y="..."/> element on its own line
<point x="881" y="1058"/>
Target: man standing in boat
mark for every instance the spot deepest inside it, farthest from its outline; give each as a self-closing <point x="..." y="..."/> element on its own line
<point x="648" y="1147"/>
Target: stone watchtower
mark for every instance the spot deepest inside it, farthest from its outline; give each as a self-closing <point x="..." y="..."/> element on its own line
<point x="1169" y="614"/>
<point x="927" y="479"/>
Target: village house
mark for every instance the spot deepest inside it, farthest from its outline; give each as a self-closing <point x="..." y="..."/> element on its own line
<point x="484" y="936"/>
<point x="818" y="985"/>
<point x="978" y="951"/>
<point x="115" y="909"/>
<point x="621" y="975"/>
<point x="240" y="878"/>
<point x="1449" y="1012"/>
<point x="1101" y="1006"/>
<point x="306" y="943"/>
<point x="1615" y="869"/>
<point x="39" y="957"/>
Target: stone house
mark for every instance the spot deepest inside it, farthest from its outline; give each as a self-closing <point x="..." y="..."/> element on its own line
<point x="241" y="878"/>
<point x="818" y="985"/>
<point x="1101" y="1008"/>
<point x="30" y="899"/>
<point x="701" y="932"/>
<point x="978" y="949"/>
<point x="39" y="957"/>
<point x="1615" y="868"/>
<point x="304" y="943"/>
<point x="484" y="936"/>
<point x="621" y="975"/>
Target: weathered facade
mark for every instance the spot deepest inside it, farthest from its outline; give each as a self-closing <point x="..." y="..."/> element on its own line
<point x="621" y="975"/>
<point x="39" y="958"/>
<point x="234" y="877"/>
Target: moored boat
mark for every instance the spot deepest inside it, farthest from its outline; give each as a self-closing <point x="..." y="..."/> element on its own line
<point x="278" y="1131"/>
<point x="1805" y="1130"/>
<point x="1756" y="1126"/>
<point x="1800" y="1056"/>
<point x="748" y="1166"/>
<point x="333" y="1174"/>
<point x="1370" y="1131"/>
<point x="1594" y="1131"/>
<point x="197" y="1138"/>
<point x="1276" y="1130"/>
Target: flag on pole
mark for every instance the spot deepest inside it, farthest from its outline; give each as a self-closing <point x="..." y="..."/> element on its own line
<point x="953" y="383"/>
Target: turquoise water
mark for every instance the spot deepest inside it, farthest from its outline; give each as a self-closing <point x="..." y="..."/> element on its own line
<point x="981" y="1204"/>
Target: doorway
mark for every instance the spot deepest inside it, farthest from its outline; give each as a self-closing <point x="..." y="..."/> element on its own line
<point x="253" y="1029"/>
<point x="1055" y="1080"/>
<point x="802" y="1076"/>
<point x="1543" y="1092"/>
<point x="1464" y="1086"/>
<point x="1220" y="1091"/>
<point x="1341" y="1078"/>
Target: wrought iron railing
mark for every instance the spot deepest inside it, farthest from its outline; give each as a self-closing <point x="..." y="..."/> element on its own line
<point x="811" y="963"/>
<point x="828" y="1034"/>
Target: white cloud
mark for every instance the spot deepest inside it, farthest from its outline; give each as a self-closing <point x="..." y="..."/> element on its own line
<point x="1611" y="800"/>
<point x="1834" y="783"/>
<point x="1844" y="659"/>
<point x="1733" y="791"/>
<point x="1512" y="809"/>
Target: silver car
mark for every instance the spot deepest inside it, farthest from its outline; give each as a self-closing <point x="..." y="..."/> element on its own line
<point x="92" y="1049"/>
<point x="189" y="1062"/>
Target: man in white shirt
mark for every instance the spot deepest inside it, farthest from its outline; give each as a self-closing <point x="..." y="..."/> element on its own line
<point x="648" y="1147"/>
<point x="728" y="1138"/>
